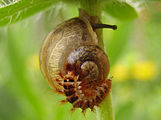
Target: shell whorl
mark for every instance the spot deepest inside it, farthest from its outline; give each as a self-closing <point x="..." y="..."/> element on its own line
<point x="86" y="58"/>
<point x="90" y="70"/>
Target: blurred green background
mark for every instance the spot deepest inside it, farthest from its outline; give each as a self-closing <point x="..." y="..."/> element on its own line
<point x="134" y="52"/>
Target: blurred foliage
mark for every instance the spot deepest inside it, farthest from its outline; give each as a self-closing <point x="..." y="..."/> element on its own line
<point x="120" y="10"/>
<point x="9" y="106"/>
<point x="133" y="51"/>
<point x="12" y="11"/>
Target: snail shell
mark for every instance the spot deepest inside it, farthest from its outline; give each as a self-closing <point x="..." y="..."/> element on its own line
<point x="74" y="65"/>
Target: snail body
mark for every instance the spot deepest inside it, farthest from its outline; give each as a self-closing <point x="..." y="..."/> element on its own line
<point x="74" y="65"/>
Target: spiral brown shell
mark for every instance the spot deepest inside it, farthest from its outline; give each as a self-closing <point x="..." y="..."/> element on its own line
<point x="74" y="65"/>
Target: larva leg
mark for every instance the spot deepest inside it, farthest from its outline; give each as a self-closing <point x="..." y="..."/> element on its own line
<point x="108" y="84"/>
<point x="58" y="91"/>
<point x="73" y="109"/>
<point x="63" y="101"/>
<point x="93" y="109"/>
<point x="60" y="74"/>
<point x="84" y="111"/>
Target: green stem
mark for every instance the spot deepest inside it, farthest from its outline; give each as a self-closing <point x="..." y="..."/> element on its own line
<point x="105" y="112"/>
<point x="93" y="7"/>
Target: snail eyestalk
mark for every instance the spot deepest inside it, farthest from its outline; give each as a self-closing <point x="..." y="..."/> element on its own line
<point x="97" y="26"/>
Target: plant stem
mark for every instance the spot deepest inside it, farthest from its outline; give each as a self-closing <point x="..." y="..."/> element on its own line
<point x="93" y="8"/>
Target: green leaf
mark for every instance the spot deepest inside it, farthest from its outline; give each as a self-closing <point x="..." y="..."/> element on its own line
<point x="120" y="10"/>
<point x="22" y="9"/>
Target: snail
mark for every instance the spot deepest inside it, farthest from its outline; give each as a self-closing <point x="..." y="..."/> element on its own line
<point x="73" y="63"/>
